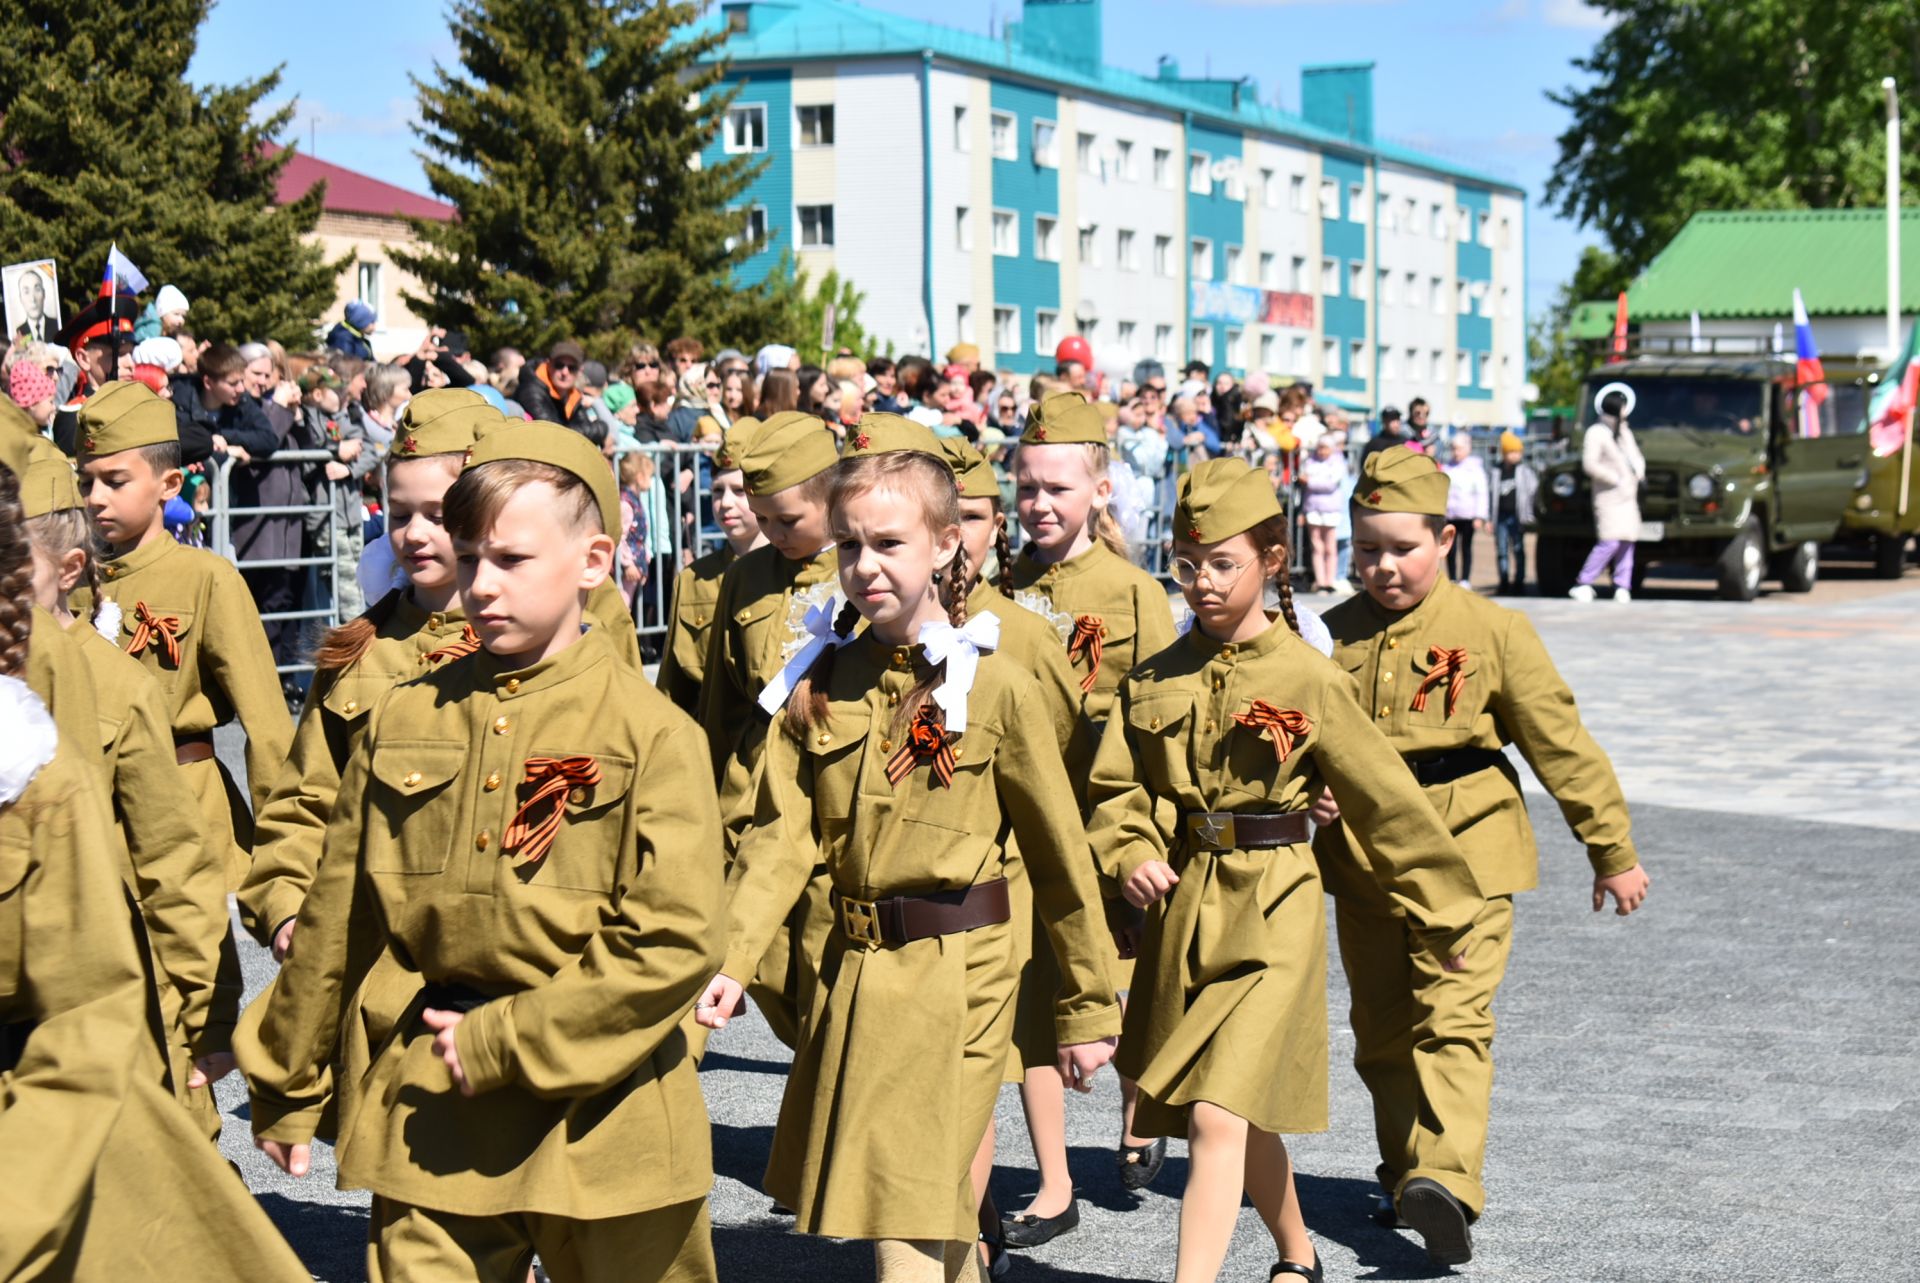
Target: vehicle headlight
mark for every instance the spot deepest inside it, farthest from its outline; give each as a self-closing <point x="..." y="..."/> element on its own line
<point x="1564" y="485"/>
<point x="1700" y="486"/>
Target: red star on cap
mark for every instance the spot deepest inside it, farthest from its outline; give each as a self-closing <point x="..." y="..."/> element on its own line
<point x="1373" y="498"/>
<point x="1193" y="533"/>
<point x="409" y="446"/>
<point x="467" y="457"/>
<point x="1040" y="433"/>
<point x="861" y="441"/>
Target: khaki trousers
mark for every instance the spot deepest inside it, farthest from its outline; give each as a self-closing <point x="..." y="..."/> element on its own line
<point x="671" y="1244"/>
<point x="899" y="1260"/>
<point x="1423" y="1043"/>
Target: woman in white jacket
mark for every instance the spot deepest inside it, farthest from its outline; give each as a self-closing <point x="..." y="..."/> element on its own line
<point x="1614" y="466"/>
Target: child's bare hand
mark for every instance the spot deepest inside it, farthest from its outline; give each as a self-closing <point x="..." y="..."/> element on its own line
<point x="294" y="1160"/>
<point x="718" y="1004"/>
<point x="1126" y="942"/>
<point x="283" y="940"/>
<point x="1149" y="883"/>
<point x="1324" y="810"/>
<point x="1629" y="890"/>
<point x="208" y="1070"/>
<point x="1457" y="963"/>
<point x="1079" y="1062"/>
<point x="444" y="1024"/>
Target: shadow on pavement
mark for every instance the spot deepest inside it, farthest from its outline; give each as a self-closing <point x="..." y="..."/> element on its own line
<point x="741" y="1153"/>
<point x="329" y="1239"/>
<point x="1338" y="1210"/>
<point x="721" y="1062"/>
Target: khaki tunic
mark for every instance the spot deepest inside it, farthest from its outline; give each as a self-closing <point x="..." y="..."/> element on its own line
<point x="105" y="1174"/>
<point x="607" y="608"/>
<point x="225" y="672"/>
<point x="179" y="889"/>
<point x="587" y="1101"/>
<point x="59" y="676"/>
<point x="894" y="1084"/>
<point x="683" y="662"/>
<point x="1229" y="998"/>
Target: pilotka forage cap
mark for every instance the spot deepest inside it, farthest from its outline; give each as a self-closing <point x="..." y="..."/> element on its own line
<point x="971" y="471"/>
<point x="788" y="448"/>
<point x="734" y="442"/>
<point x="1401" y="479"/>
<point x="888" y="434"/>
<point x="1065" y="418"/>
<point x="124" y="415"/>
<point x="557" y="447"/>
<point x="48" y="484"/>
<point x="444" y="421"/>
<point x="1221" y="498"/>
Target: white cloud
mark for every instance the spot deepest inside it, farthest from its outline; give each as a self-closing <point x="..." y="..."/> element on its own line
<point x="1575" y="14"/>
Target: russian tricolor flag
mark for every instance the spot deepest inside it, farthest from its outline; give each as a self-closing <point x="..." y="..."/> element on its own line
<point x="1811" y="378"/>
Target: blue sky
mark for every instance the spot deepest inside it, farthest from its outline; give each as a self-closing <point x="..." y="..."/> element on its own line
<point x="1464" y="79"/>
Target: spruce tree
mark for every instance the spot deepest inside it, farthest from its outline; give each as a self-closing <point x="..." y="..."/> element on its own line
<point x="103" y="139"/>
<point x="569" y="138"/>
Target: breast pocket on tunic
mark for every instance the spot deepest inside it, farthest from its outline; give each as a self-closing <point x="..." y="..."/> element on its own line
<point x="414" y="793"/>
<point x="1119" y="628"/>
<point x="831" y="747"/>
<point x="1435" y="714"/>
<point x="969" y="805"/>
<point x="586" y="854"/>
<point x="164" y="668"/>
<point x="1160" y="723"/>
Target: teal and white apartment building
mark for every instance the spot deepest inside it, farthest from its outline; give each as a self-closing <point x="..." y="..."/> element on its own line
<point x="1010" y="191"/>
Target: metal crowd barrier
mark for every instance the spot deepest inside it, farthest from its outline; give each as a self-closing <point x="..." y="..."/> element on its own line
<point x="220" y="535"/>
<point x="691" y="530"/>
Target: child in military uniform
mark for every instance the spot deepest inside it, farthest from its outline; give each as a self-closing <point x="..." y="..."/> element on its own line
<point x="903" y="762"/>
<point x="179" y="890"/>
<point x="186" y="615"/>
<point x="1076" y="571"/>
<point x="532" y="833"/>
<point x="1452" y="678"/>
<point x="1217" y="747"/>
<point x="696" y="589"/>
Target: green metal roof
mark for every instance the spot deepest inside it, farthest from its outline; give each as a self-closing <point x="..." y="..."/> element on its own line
<point x="1591" y="320"/>
<point x="793" y="30"/>
<point x="1747" y="263"/>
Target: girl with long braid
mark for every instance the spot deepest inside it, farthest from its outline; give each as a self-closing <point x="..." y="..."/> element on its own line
<point x="905" y="761"/>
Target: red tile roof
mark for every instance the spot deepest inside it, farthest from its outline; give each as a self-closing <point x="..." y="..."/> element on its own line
<point x="352" y="193"/>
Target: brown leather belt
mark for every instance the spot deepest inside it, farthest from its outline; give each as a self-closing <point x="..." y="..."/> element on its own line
<point x="902" y="919"/>
<point x="1233" y="831"/>
<point x="1456" y="765"/>
<point x="192" y="748"/>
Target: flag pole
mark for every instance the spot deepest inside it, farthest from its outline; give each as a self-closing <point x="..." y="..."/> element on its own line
<point x="1893" y="273"/>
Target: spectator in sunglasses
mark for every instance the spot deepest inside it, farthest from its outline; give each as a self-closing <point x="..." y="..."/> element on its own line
<point x="641" y="366"/>
<point x="551" y="391"/>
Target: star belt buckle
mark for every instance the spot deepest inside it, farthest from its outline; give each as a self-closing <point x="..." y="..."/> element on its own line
<point x="860" y="920"/>
<point x="1212" y="830"/>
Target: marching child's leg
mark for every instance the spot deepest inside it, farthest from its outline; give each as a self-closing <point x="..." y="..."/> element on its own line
<point x="1216" y="1177"/>
<point x="1270" y="1186"/>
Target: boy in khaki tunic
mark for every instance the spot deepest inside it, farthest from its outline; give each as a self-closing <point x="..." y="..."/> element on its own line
<point x="696" y="589"/>
<point x="1451" y="678"/>
<point x="531" y="830"/>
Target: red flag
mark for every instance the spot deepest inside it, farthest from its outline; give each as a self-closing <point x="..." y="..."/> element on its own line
<point x="1620" y="328"/>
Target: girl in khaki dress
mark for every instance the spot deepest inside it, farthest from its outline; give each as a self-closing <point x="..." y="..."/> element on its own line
<point x="1200" y="796"/>
<point x="905" y="761"/>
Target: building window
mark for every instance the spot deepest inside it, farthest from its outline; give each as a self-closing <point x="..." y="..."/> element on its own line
<point x="1462" y="367"/>
<point x="746" y="128"/>
<point x="1200" y="344"/>
<point x="1234" y="264"/>
<point x="1269" y="351"/>
<point x="1046" y="238"/>
<point x="1486" y="371"/>
<point x="962" y="228"/>
<point x="1006" y="233"/>
<point x="1387" y="368"/>
<point x="1483" y="228"/>
<point x="1413" y="293"/>
<point x="1237" y="349"/>
<point x="1088" y="158"/>
<point x="1162" y="167"/>
<point x="1199" y="182"/>
<point x="1463" y="298"/>
<point x="1163" y="256"/>
<point x="816" y="126"/>
<point x="816" y="227"/>
<point x="1235" y="183"/>
<point x="1297" y="193"/>
<point x="962" y="135"/>
<point x="1463" y="224"/>
<point x="1387" y="294"/>
<point x="1163" y="344"/>
<point x="1090" y="244"/>
<point x="1357" y="359"/>
<point x="1006" y="329"/>
<point x="1297" y="277"/>
<point x="1046" y="144"/>
<point x="1269" y="189"/>
<point x="1330" y="277"/>
<point x="1046" y="330"/>
<point x="1437" y="295"/>
<point x="1123" y="160"/>
<point x="963" y="322"/>
<point x="1124" y="331"/>
<point x="1269" y="271"/>
<point x="1482" y="299"/>
<point x="368" y="277"/>
<point x="1437" y="223"/>
<point x="1437" y="366"/>
<point x="1123" y="250"/>
<point x="1006" y="143"/>
<point x="1410" y="215"/>
<point x="753" y="232"/>
<point x="1357" y="203"/>
<point x="1506" y="240"/>
<point x="1388" y="222"/>
<point x="1330" y="358"/>
<point x="1329" y="198"/>
<point x="1090" y="331"/>
<point x="1506" y="301"/>
<point x="1200" y="260"/>
<point x="1356" y="280"/>
<point x="1506" y="369"/>
<point x="1413" y="363"/>
<point x="1297" y="355"/>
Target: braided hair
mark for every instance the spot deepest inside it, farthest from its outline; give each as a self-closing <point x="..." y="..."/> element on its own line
<point x="16" y="580"/>
<point x="1270" y="537"/>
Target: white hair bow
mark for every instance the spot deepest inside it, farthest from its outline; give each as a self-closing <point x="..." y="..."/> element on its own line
<point x="820" y="635"/>
<point x="960" y="650"/>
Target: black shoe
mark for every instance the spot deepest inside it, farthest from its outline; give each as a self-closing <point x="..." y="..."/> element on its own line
<point x="1384" y="1213"/>
<point x="780" y="1209"/>
<point x="1024" y="1230"/>
<point x="1139" y="1164"/>
<point x="998" y="1262"/>
<point x="1294" y="1270"/>
<point x="1437" y="1217"/>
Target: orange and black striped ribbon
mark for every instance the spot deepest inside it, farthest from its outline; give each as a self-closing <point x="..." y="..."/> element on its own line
<point x="528" y="840"/>
<point x="148" y="626"/>
<point x="1449" y="666"/>
<point x="469" y="642"/>
<point x="1284" y="726"/>
<point x="1089" y="639"/>
<point x="927" y="741"/>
